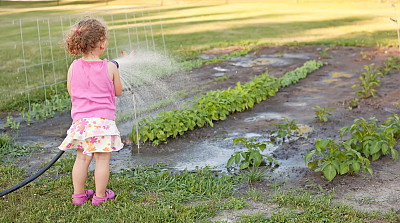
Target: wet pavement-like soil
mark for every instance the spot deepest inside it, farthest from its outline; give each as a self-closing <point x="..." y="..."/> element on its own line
<point x="327" y="87"/>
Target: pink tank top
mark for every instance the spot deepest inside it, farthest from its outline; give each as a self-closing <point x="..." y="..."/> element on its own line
<point x="92" y="91"/>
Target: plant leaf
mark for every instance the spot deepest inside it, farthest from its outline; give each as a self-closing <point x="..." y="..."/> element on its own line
<point x="329" y="172"/>
<point x="308" y="156"/>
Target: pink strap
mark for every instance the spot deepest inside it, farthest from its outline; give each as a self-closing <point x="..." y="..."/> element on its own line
<point x="79" y="195"/>
<point x="100" y="198"/>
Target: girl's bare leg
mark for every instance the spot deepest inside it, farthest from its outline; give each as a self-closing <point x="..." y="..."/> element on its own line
<point x="101" y="172"/>
<point x="79" y="171"/>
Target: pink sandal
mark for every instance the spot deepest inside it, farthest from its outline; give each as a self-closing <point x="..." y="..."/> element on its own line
<point x="96" y="201"/>
<point x="80" y="199"/>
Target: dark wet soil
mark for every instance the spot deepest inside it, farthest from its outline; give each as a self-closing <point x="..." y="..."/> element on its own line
<point x="327" y="87"/>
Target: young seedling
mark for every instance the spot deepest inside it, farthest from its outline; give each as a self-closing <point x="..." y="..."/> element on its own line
<point x="251" y="157"/>
<point x="285" y="129"/>
<point x="321" y="112"/>
<point x="353" y="103"/>
<point x="324" y="53"/>
<point x="369" y="79"/>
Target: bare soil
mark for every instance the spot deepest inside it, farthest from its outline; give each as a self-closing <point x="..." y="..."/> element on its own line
<point x="329" y="86"/>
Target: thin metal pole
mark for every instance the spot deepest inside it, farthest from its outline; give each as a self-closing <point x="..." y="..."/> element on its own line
<point x="129" y="34"/>
<point x="151" y="29"/>
<point x="162" y="33"/>
<point x="115" y="37"/>
<point x="137" y="34"/>
<point x="62" y="35"/>
<point x="41" y="60"/>
<point x="23" y="56"/>
<point x="144" y="27"/>
<point x="52" y="57"/>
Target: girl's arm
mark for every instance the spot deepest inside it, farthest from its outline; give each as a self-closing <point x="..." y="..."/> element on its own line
<point x="68" y="81"/>
<point x="114" y="76"/>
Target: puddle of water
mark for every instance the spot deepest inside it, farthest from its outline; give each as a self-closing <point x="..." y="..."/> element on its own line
<point x="220" y="69"/>
<point x="295" y="104"/>
<point x="297" y="56"/>
<point x="219" y="74"/>
<point x="214" y="152"/>
<point x="264" y="116"/>
<point x="248" y="62"/>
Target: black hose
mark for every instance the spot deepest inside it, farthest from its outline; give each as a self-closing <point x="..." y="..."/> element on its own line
<point x="33" y="177"/>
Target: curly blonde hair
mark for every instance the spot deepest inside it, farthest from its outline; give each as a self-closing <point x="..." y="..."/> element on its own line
<point x="84" y="36"/>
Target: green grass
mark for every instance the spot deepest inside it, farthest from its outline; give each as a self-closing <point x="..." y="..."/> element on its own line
<point x="189" y="28"/>
<point x="151" y="194"/>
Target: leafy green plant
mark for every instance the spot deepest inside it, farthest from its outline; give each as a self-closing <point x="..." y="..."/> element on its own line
<point x="369" y="79"/>
<point x="321" y="112"/>
<point x="370" y="139"/>
<point x="11" y="122"/>
<point x="337" y="158"/>
<point x="285" y="129"/>
<point x="251" y="157"/>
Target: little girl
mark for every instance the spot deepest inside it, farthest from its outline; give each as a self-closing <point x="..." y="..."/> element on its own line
<point x="92" y="84"/>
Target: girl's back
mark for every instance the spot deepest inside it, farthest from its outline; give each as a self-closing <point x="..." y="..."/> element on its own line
<point x="92" y="91"/>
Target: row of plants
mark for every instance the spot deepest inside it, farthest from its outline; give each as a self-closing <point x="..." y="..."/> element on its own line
<point x="216" y="105"/>
<point x="60" y="103"/>
<point x="365" y="140"/>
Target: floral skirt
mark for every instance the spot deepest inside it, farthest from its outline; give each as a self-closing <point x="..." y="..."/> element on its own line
<point x="93" y="135"/>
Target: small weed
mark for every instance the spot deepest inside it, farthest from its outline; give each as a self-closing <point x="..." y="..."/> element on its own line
<point x="321" y="112"/>
<point x="254" y="174"/>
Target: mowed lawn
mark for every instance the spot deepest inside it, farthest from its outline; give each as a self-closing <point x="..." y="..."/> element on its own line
<point x="189" y="27"/>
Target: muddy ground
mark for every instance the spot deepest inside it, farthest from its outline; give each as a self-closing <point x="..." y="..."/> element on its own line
<point x="329" y="86"/>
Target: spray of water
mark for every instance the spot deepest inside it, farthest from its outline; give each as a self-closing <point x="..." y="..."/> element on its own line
<point x="154" y="81"/>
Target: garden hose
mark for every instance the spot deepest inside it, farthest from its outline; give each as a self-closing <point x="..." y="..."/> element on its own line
<point x="33" y="177"/>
